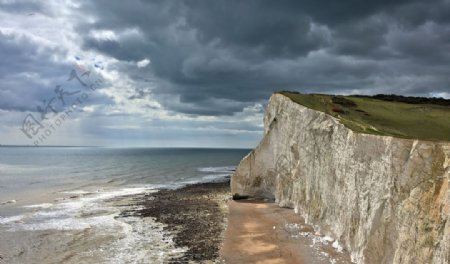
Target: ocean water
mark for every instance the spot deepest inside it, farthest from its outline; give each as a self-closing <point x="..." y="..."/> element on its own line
<point x="63" y="204"/>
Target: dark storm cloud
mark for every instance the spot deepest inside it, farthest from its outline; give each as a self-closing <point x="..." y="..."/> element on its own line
<point x="216" y="57"/>
<point x="251" y="25"/>
<point x="29" y="74"/>
<point x="25" y="73"/>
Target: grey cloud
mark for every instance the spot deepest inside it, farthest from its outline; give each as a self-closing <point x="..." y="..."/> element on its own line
<point x="196" y="104"/>
<point x="251" y="25"/>
<point x="217" y="57"/>
<point x="29" y="75"/>
<point x="429" y="43"/>
<point x="25" y="73"/>
<point x="22" y="7"/>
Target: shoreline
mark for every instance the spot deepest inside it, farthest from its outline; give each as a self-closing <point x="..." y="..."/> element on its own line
<point x="203" y="219"/>
<point x="195" y="215"/>
<point x="196" y="223"/>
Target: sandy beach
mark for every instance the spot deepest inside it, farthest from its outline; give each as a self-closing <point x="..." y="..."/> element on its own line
<point x="262" y="232"/>
<point x="198" y="223"/>
<point x="254" y="235"/>
<point x="213" y="228"/>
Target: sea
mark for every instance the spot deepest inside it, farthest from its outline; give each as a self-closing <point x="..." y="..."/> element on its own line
<point x="64" y="204"/>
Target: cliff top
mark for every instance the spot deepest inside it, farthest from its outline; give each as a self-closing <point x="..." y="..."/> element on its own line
<point x="388" y="115"/>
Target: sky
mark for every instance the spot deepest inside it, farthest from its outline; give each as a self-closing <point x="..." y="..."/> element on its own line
<point x="199" y="73"/>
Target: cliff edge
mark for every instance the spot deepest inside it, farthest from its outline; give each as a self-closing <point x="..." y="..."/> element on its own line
<point x="384" y="199"/>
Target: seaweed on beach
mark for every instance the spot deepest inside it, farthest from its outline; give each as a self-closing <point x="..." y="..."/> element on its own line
<point x="193" y="214"/>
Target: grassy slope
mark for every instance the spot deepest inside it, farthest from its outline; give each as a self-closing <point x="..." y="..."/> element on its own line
<point x="373" y="116"/>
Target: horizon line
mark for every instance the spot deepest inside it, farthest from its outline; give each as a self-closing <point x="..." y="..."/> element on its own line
<point x="87" y="146"/>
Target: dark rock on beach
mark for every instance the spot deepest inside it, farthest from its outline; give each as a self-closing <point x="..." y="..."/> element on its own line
<point x="196" y="215"/>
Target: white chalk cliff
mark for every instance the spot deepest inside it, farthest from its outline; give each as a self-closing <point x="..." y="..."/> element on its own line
<point x="384" y="199"/>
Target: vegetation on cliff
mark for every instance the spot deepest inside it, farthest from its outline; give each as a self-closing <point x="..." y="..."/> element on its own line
<point x="390" y="115"/>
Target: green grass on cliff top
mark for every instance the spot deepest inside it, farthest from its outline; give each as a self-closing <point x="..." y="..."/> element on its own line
<point x="379" y="117"/>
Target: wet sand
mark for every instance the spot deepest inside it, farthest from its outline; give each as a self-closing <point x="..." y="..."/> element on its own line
<point x="202" y="224"/>
<point x="212" y="228"/>
<point x="189" y="228"/>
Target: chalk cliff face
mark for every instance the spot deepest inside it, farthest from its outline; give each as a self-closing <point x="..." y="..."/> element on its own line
<point x="384" y="199"/>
